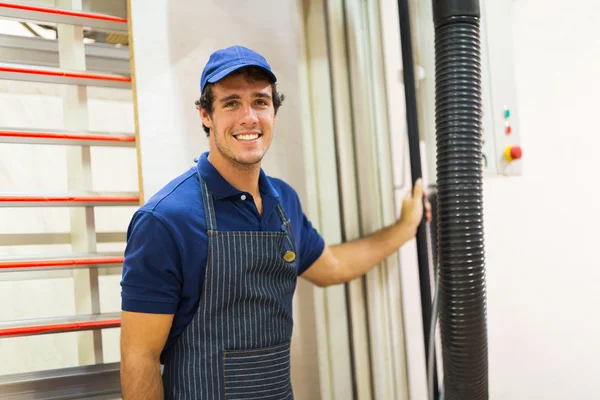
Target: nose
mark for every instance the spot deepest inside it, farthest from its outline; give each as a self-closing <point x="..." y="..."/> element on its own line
<point x="249" y="117"/>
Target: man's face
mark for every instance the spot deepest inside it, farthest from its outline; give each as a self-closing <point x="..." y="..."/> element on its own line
<point x="241" y="126"/>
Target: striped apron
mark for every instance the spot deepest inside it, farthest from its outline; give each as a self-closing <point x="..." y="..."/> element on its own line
<point x="238" y="344"/>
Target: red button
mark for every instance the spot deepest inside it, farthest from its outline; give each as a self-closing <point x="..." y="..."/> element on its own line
<point x="516" y="152"/>
<point x="512" y="153"/>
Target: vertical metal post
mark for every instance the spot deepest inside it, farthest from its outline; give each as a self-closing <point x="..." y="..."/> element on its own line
<point x="416" y="173"/>
<point x="83" y="233"/>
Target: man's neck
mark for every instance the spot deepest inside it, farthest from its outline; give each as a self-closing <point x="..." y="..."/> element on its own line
<point x="242" y="177"/>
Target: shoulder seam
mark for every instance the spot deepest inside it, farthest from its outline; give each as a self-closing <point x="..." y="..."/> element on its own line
<point x="172" y="190"/>
<point x="165" y="225"/>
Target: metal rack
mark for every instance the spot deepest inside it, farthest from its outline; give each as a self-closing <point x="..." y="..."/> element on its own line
<point x="90" y="382"/>
<point x="66" y="64"/>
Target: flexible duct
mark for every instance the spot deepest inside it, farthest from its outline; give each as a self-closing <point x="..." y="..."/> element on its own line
<point x="463" y="318"/>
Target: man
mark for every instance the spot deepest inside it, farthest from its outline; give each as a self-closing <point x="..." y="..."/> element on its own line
<point x="212" y="259"/>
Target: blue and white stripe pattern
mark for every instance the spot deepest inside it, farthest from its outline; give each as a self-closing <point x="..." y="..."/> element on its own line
<point x="238" y="344"/>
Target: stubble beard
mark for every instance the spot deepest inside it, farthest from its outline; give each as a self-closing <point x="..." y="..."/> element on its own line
<point x="234" y="161"/>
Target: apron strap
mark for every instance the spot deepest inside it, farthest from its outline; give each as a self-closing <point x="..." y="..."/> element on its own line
<point x="209" y="209"/>
<point x="281" y="213"/>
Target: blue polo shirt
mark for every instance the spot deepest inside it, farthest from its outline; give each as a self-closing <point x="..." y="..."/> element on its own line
<point x="167" y="241"/>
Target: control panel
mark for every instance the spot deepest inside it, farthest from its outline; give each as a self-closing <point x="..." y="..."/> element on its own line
<point x="503" y="154"/>
<point x="502" y="151"/>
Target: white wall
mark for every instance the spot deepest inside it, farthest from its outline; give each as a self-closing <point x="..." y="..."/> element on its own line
<point x="541" y="228"/>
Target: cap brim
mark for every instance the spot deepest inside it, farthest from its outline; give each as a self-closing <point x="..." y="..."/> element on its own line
<point x="227" y="71"/>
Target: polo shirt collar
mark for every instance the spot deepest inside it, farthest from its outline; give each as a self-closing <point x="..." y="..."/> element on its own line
<point x="221" y="189"/>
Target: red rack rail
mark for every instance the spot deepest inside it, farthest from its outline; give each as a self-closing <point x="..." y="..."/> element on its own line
<point x="60" y="76"/>
<point x="58" y="11"/>
<point x="17" y="265"/>
<point x="18" y="200"/>
<point x="60" y="325"/>
<point x="62" y="16"/>
<point x="66" y="74"/>
<point x="65" y="138"/>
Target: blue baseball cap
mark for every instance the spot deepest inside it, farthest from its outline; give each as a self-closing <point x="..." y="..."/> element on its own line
<point x="223" y="62"/>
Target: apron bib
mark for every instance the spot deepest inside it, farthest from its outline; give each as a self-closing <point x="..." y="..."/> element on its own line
<point x="238" y="343"/>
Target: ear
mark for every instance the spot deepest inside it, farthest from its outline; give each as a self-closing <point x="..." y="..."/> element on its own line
<point x="206" y="119"/>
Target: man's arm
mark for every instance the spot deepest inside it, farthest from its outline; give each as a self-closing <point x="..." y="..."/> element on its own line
<point x="143" y="337"/>
<point x="347" y="261"/>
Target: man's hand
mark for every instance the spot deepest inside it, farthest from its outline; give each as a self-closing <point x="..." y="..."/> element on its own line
<point x="412" y="207"/>
<point x="346" y="261"/>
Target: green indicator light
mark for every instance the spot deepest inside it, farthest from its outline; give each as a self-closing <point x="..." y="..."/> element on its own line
<point x="506" y="113"/>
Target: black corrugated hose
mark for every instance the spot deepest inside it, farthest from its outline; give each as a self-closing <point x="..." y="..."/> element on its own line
<point x="458" y="98"/>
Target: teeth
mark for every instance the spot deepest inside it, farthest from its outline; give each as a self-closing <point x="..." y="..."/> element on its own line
<point x="247" y="137"/>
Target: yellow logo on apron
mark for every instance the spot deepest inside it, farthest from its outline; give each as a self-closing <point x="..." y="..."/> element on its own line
<point x="289" y="256"/>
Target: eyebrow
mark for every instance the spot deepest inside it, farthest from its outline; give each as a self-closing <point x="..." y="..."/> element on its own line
<point x="237" y="97"/>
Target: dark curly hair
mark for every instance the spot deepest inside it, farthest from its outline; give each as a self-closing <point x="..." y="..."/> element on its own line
<point x="253" y="74"/>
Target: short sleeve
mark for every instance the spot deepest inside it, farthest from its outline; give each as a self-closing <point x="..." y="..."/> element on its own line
<point x="151" y="280"/>
<point x="311" y="245"/>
